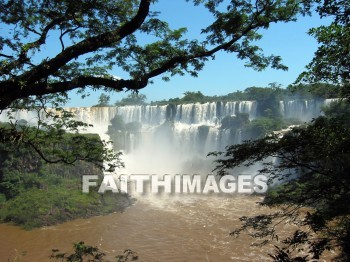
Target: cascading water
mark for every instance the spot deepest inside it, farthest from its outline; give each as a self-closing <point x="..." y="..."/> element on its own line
<point x="154" y="225"/>
<point x="176" y="132"/>
<point x="183" y="130"/>
<point x="303" y="109"/>
<point x="172" y="135"/>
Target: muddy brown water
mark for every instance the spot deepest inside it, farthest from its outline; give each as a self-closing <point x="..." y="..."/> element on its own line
<point x="189" y="228"/>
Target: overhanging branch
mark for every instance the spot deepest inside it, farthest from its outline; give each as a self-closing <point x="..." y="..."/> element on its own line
<point x="44" y="88"/>
<point x="88" y="45"/>
<point x="39" y="81"/>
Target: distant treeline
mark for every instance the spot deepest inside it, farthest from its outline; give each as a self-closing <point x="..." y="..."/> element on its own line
<point x="314" y="91"/>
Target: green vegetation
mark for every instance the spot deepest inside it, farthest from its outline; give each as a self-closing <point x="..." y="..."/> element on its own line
<point x="313" y="161"/>
<point x="256" y="128"/>
<point x="259" y="128"/>
<point x="35" y="194"/>
<point x="120" y="133"/>
<point x="97" y="37"/>
<point x="268" y="100"/>
<point x="83" y="252"/>
<point x="317" y="90"/>
<point x="103" y="101"/>
<point x="237" y="121"/>
<point x="132" y="99"/>
<point x="54" y="135"/>
<point x="268" y="97"/>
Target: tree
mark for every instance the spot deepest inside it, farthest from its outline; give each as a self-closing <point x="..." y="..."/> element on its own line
<point x="331" y="60"/>
<point x="268" y="99"/>
<point x="103" y="100"/>
<point x="97" y="36"/>
<point x="235" y="122"/>
<point x="315" y="90"/>
<point x="132" y="99"/>
<point x="105" y="31"/>
<point x="261" y="127"/>
<point x="311" y="161"/>
<point x="193" y="97"/>
<point x="83" y="252"/>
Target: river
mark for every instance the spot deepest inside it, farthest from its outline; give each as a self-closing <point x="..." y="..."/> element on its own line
<point x="189" y="228"/>
<point x="174" y="228"/>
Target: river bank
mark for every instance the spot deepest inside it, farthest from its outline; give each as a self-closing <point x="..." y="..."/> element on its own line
<point x="188" y="228"/>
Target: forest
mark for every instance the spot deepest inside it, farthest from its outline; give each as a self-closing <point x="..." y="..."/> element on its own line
<point x="36" y="194"/>
<point x="94" y="39"/>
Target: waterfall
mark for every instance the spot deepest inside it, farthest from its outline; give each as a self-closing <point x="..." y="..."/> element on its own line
<point x="183" y="130"/>
<point x="303" y="109"/>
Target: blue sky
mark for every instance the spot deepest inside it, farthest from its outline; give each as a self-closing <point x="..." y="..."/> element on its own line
<point x="226" y="73"/>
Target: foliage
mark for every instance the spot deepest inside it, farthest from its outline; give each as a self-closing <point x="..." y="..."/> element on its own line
<point x="312" y="91"/>
<point x="268" y="100"/>
<point x="284" y="256"/>
<point x="54" y="134"/>
<point x="237" y="121"/>
<point x="267" y="97"/>
<point x="260" y="127"/>
<point x="331" y="60"/>
<point x="98" y="36"/>
<point x="83" y="252"/>
<point x="54" y="144"/>
<point x="103" y="100"/>
<point x="117" y="124"/>
<point x="310" y="177"/>
<point x="37" y="194"/>
<point x="256" y="128"/>
<point x="120" y="133"/>
<point x="132" y="99"/>
<point x="337" y="109"/>
<point x="128" y="255"/>
<point x="133" y="127"/>
<point x="313" y="163"/>
<point x="193" y="97"/>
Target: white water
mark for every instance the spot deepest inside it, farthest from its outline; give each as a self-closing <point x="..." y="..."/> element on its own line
<point x="182" y="146"/>
<point x="184" y="139"/>
<point x="162" y="228"/>
<point x="303" y="109"/>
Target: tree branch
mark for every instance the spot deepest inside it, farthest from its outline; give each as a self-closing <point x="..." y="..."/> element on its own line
<point x="88" y="45"/>
<point x="44" y="88"/>
<point x="30" y="81"/>
<point x="7" y="56"/>
<point x="34" y="81"/>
